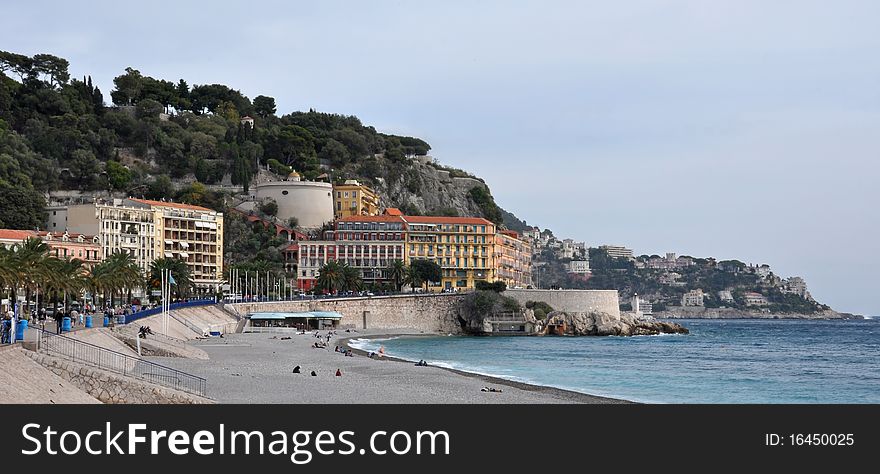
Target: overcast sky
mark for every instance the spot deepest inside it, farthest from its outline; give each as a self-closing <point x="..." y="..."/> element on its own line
<point x="735" y="129"/>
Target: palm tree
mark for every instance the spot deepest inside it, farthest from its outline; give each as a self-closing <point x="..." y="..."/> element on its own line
<point x="351" y="278"/>
<point x="116" y="273"/>
<point x="67" y="277"/>
<point x="397" y="273"/>
<point x="330" y="277"/>
<point x="31" y="268"/>
<point x="179" y="272"/>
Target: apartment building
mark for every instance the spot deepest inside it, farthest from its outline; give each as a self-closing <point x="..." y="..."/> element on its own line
<point x="354" y="199"/>
<point x="513" y="259"/>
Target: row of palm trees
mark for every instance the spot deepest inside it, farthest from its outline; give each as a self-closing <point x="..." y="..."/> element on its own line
<point x="337" y="276"/>
<point x="30" y="269"/>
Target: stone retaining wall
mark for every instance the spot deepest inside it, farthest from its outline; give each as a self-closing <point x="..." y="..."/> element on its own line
<point x="572" y="301"/>
<point x="423" y="313"/>
<point x="113" y="388"/>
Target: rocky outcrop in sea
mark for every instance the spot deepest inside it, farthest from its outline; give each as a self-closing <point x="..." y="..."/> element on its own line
<point x="601" y="324"/>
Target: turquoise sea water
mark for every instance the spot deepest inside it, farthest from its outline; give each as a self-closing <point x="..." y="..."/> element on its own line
<point x="721" y="361"/>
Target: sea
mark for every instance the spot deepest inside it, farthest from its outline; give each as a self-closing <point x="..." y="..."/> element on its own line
<point x="720" y="361"/>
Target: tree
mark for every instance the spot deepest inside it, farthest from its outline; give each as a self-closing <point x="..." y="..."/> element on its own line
<point x="334" y="152"/>
<point x="425" y="271"/>
<point x="269" y="207"/>
<point x="19" y="64"/>
<point x="330" y="277"/>
<point x="496" y="286"/>
<point x="118" y="175"/>
<point x="84" y="166"/>
<point x="397" y="273"/>
<point x="160" y="188"/>
<point x="481" y="197"/>
<point x="22" y="208"/>
<point x="128" y="87"/>
<point x="264" y="106"/>
<point x="116" y="274"/>
<point x="182" y="285"/>
<point x="351" y="278"/>
<point x="52" y="67"/>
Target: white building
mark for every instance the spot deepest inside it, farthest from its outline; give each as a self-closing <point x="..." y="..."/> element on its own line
<point x="796" y="286"/>
<point x="754" y="299"/>
<point x="725" y="296"/>
<point x="692" y="298"/>
<point x="122" y="225"/>
<point x="617" y="251"/>
<point x="579" y="267"/>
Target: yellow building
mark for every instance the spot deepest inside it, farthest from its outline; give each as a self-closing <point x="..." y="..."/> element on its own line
<point x="464" y="247"/>
<point x="513" y="259"/>
<point x="354" y="199"/>
<point x="193" y="234"/>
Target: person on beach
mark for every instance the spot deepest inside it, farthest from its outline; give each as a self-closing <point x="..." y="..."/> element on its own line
<point x="314" y="374"/>
<point x="296" y="370"/>
<point x="381" y="352"/>
<point x="338" y="373"/>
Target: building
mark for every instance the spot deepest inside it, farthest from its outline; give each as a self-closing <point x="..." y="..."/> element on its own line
<point x="513" y="259"/>
<point x="310" y="202"/>
<point x="578" y="267"/>
<point x="616" y="251"/>
<point x="463" y="247"/>
<point x="368" y="243"/>
<point x="354" y="199"/>
<point x="247" y="121"/>
<point x="762" y="270"/>
<point x="726" y="296"/>
<point x="692" y="298"/>
<point x="120" y="224"/>
<point x="641" y="307"/>
<point x="796" y="286"/>
<point x="66" y="245"/>
<point x="193" y="234"/>
<point x="62" y="245"/>
<point x="148" y="230"/>
<point x="754" y="299"/>
<point x="12" y="238"/>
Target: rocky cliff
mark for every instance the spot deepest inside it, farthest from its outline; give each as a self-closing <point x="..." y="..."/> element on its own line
<point x="419" y="185"/>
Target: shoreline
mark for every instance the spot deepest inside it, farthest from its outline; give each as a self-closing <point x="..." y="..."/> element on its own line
<point x="569" y="395"/>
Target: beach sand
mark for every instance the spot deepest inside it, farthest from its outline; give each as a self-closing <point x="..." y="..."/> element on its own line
<point x="256" y="368"/>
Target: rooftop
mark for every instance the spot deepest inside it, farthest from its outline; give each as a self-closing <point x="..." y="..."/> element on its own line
<point x="177" y="205"/>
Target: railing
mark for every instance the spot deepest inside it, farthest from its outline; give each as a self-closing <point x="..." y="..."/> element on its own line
<point x="58" y="345"/>
<point x="158" y="310"/>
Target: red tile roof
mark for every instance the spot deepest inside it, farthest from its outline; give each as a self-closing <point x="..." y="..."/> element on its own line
<point x="178" y="205"/>
<point x="447" y="220"/>
<point x="393" y="211"/>
<point x="382" y="218"/>
<point x="13" y="234"/>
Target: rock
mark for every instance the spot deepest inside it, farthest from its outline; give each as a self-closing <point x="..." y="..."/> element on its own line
<point x="602" y="324"/>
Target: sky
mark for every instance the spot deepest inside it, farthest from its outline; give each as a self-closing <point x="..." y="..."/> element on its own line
<point x="736" y="129"/>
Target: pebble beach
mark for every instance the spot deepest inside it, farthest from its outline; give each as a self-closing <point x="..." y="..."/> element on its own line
<point x="258" y="368"/>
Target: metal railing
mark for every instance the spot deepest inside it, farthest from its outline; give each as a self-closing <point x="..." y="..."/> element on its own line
<point x="158" y="310"/>
<point x="58" y="345"/>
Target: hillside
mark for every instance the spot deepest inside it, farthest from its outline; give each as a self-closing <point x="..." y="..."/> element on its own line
<point x="195" y="144"/>
<point x="729" y="284"/>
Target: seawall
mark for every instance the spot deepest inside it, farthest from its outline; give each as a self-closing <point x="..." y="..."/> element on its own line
<point x="571" y="301"/>
<point x="422" y="313"/>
